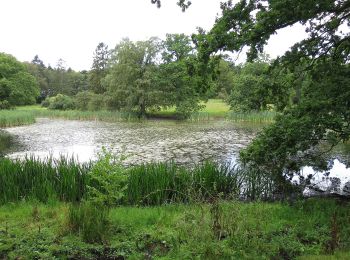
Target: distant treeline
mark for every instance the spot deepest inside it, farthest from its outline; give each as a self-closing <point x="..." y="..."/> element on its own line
<point x="147" y="76"/>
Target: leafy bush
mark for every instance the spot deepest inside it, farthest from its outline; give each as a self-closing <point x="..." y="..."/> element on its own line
<point x="108" y="180"/>
<point x="59" y="102"/>
<point x="82" y="100"/>
<point x="89" y="101"/>
<point x="5" y="105"/>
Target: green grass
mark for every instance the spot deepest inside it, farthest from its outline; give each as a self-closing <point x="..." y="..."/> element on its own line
<point x="30" y="108"/>
<point x="31" y="178"/>
<point x="9" y="118"/>
<point x="255" y="230"/>
<point x="216" y="108"/>
<point x="258" y="117"/>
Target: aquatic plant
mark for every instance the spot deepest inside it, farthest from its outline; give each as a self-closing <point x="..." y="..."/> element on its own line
<point x="108" y="182"/>
<point x="10" y="118"/>
<point x="259" y="116"/>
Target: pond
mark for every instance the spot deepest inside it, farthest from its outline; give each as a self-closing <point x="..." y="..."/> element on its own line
<point x="155" y="140"/>
<point x="150" y="141"/>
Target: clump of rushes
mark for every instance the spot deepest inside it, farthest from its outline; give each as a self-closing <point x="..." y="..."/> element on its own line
<point x="31" y="178"/>
<point x="106" y="116"/>
<point x="252" y="116"/>
<point x="90" y="220"/>
<point x="9" y="118"/>
<point x="108" y="182"/>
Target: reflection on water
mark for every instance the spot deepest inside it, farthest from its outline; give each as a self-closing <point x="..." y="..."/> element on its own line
<point x="140" y="142"/>
<point x="184" y="143"/>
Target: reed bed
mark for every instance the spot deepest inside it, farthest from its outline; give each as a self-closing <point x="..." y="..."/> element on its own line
<point x="200" y="116"/>
<point x="107" y="116"/>
<point x="9" y="118"/>
<point x="258" y="117"/>
<point x="148" y="184"/>
<point x="31" y="178"/>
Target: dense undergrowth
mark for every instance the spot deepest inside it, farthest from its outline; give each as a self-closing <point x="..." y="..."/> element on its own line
<point x="59" y="209"/>
<point x="225" y="230"/>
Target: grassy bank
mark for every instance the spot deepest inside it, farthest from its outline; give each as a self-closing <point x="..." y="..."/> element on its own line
<point x="102" y="210"/>
<point x="309" y="229"/>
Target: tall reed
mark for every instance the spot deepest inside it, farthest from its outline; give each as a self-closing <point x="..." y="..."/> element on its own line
<point x="259" y="116"/>
<point x="107" y="116"/>
<point x="63" y="179"/>
<point x="9" y="118"/>
<point x="148" y="184"/>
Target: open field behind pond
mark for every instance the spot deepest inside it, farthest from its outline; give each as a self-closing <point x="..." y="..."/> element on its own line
<point x="214" y="109"/>
<point x="308" y="229"/>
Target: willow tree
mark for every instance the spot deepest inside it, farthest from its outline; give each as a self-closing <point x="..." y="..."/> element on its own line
<point x="130" y="78"/>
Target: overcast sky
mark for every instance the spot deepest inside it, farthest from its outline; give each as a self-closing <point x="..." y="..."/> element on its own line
<point x="71" y="29"/>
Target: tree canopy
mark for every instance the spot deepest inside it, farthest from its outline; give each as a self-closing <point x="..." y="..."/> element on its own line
<point x="17" y="86"/>
<point x="130" y="79"/>
<point x="320" y="67"/>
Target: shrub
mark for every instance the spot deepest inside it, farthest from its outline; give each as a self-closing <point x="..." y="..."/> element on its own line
<point x="59" y="102"/>
<point x="89" y="101"/>
<point x="96" y="103"/>
<point x="82" y="100"/>
<point x="5" y="105"/>
<point x="108" y="180"/>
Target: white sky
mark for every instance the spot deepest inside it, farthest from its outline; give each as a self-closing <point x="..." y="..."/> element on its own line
<point x="71" y="29"/>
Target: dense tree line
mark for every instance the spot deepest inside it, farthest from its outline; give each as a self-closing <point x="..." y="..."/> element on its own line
<point x="140" y="77"/>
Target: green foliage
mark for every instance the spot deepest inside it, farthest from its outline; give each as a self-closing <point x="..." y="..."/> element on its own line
<point x="59" y="102"/>
<point x="224" y="79"/>
<point x="312" y="71"/>
<point x="178" y="77"/>
<point x="159" y="183"/>
<point x="99" y="68"/>
<point x="34" y="179"/>
<point x="130" y="79"/>
<point x="90" y="220"/>
<point x="107" y="180"/>
<point x="17" y="86"/>
<point x="9" y="118"/>
<point x="5" y="105"/>
<point x="86" y="100"/>
<point x="256" y="87"/>
<point x="255" y="230"/>
<point x="322" y="115"/>
<point x="58" y="80"/>
<point x="24" y="89"/>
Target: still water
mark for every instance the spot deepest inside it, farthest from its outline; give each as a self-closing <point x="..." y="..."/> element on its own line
<point x="185" y="143"/>
<point x="154" y="140"/>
